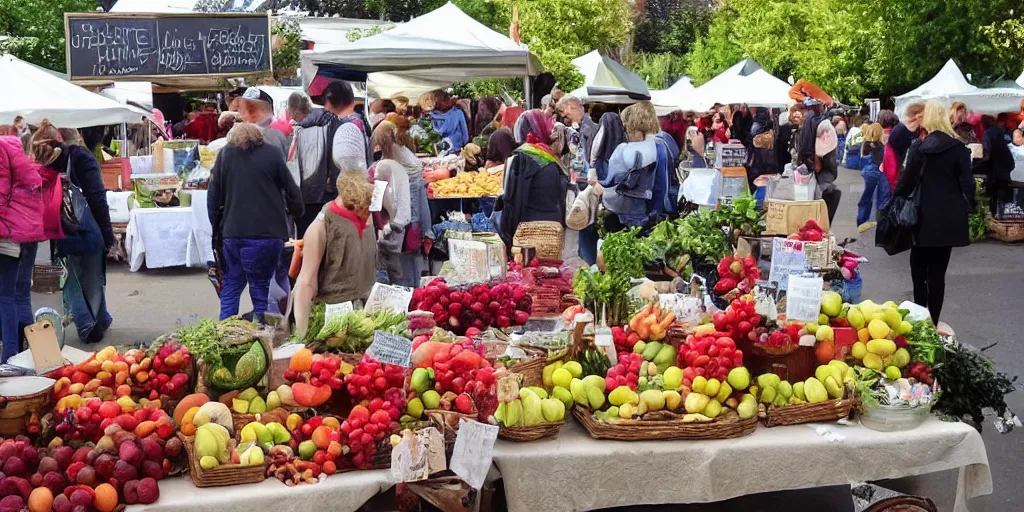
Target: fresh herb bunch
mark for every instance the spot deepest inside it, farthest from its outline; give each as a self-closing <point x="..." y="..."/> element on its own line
<point x="625" y="253"/>
<point x="602" y="291"/>
<point x="970" y="383"/>
<point x="316" y="321"/>
<point x="741" y="216"/>
<point x="202" y="341"/>
<point x="702" y="237"/>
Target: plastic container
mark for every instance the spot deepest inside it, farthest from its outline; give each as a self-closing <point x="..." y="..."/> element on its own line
<point x="893" y="418"/>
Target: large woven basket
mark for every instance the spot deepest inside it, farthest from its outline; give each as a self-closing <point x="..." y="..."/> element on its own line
<point x="225" y="474"/>
<point x="1006" y="231"/>
<point x="544" y="235"/>
<point x="829" y="410"/>
<point x="727" y="426"/>
<point x="532" y="368"/>
<point x="530" y="433"/>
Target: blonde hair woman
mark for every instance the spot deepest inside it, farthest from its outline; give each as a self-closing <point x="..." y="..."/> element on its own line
<point x="876" y="188"/>
<point x="632" y="167"/>
<point x="339" y="253"/>
<point x="938" y="174"/>
<point x="250" y="198"/>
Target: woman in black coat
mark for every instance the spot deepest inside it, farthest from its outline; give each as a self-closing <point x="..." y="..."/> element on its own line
<point x="939" y="169"/>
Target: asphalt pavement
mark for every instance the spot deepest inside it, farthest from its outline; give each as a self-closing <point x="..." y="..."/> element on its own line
<point x="984" y="304"/>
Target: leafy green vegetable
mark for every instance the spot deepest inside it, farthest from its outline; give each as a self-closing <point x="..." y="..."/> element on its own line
<point x="925" y="343"/>
<point x="316" y="321"/>
<point x="970" y="383"/>
<point x="741" y="216"/>
<point x="625" y="253"/>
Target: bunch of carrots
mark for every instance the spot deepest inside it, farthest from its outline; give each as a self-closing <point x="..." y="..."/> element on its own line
<point x="651" y="323"/>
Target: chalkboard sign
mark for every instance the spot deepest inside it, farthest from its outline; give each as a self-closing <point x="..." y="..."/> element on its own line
<point x="150" y="46"/>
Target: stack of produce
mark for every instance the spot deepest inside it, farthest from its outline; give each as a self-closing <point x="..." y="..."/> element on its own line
<point x="708" y="353"/>
<point x="467" y="184"/>
<point x="452" y="376"/>
<point x="533" y="407"/>
<point x="739" y="319"/>
<point x="810" y="232"/>
<point x="313" y="377"/>
<point x="481" y="306"/>
<point x="739" y="274"/>
<point x="651" y="323"/>
<point x="230" y="351"/>
<point x="550" y="289"/>
<point x="134" y="374"/>
<point x="828" y="382"/>
<point x="352" y="332"/>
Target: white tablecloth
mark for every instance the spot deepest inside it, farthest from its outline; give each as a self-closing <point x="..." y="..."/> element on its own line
<point x="170" y="237"/>
<point x="344" y="492"/>
<point x="575" y="472"/>
<point x="159" y="237"/>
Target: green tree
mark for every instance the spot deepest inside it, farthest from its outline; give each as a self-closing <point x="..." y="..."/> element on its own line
<point x="1007" y="40"/>
<point x="660" y="70"/>
<point x="715" y="51"/>
<point x="36" y="29"/>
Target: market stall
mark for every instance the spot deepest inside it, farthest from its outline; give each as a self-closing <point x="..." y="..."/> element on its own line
<point x="668" y="100"/>
<point x="743" y="362"/>
<point x="36" y="94"/>
<point x="949" y="85"/>
<point x="744" y="82"/>
<point x="607" y="81"/>
<point x="429" y="52"/>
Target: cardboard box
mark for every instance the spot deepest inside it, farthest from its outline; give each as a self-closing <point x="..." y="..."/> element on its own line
<point x="787" y="217"/>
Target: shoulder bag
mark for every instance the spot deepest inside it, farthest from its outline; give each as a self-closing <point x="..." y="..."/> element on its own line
<point x="73" y="203"/>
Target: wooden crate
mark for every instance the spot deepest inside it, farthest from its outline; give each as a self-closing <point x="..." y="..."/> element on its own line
<point x="1007" y="231"/>
<point x="787" y="217"/>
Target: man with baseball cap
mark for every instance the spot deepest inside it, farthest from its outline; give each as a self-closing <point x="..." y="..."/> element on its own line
<point x="258" y="109"/>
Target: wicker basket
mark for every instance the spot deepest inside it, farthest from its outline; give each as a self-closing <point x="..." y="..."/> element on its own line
<point x="829" y="410"/>
<point x="530" y="433"/>
<point x="1006" y="231"/>
<point x="280" y="415"/>
<point x="544" y="236"/>
<point x="47" y="279"/>
<point x="727" y="426"/>
<point x="15" y="411"/>
<point x="225" y="474"/>
<point x="532" y="369"/>
<point x="448" y="423"/>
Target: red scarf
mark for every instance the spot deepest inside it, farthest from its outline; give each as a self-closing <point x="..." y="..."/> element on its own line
<point x="343" y="212"/>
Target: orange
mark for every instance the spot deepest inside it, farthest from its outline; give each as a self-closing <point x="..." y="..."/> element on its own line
<point x="301" y="361"/>
<point x="106" y="498"/>
<point x="41" y="500"/>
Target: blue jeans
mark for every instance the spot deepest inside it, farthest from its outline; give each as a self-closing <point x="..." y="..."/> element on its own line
<point x="588" y="244"/>
<point x="876" y="193"/>
<point x="252" y="261"/>
<point x="16" y="298"/>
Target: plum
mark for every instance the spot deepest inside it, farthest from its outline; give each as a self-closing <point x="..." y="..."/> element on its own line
<point x="152" y="469"/>
<point x="81" y="454"/>
<point x="14" y="467"/>
<point x="131" y="492"/>
<point x="61" y="503"/>
<point x="86" y="476"/>
<point x="148" y="491"/>
<point x="48" y="465"/>
<point x="124" y="471"/>
<point x="12" y="503"/>
<point x="131" y="453"/>
<point x="55" y="482"/>
<point x="151" y="450"/>
<point x="80" y="497"/>
<point x="63" y="456"/>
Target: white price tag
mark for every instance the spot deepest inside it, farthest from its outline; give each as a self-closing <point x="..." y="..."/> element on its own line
<point x="803" y="298"/>
<point x="787" y="259"/>
<point x="338" y="309"/>
<point x="474" y="447"/>
<point x="377" y="200"/>
<point x="391" y="349"/>
<point x="395" y="298"/>
<point x="469" y="258"/>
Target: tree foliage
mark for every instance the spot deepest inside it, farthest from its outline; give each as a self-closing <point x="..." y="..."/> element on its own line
<point x="867" y="47"/>
<point x="660" y="70"/>
<point x="36" y="29"/>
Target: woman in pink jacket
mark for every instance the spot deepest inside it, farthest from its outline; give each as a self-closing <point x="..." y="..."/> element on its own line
<point x="21" y="229"/>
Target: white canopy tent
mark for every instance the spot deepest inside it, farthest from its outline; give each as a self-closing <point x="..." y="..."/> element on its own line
<point x="607" y="81"/>
<point x="1020" y="80"/>
<point x="744" y="82"/>
<point x="432" y="51"/>
<point x="949" y="85"/>
<point x="668" y="100"/>
<point x="29" y="91"/>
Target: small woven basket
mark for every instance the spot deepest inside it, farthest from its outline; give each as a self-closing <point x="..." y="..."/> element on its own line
<point x="47" y="279"/>
<point x="545" y="236"/>
<point x="727" y="426"/>
<point x="530" y="433"/>
<point x="829" y="410"/>
<point x="16" y="411"/>
<point x="225" y="474"/>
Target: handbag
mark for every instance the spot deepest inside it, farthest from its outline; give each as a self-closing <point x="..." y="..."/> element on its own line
<point x="73" y="203"/>
<point x="584" y="208"/>
<point x="890" y="235"/>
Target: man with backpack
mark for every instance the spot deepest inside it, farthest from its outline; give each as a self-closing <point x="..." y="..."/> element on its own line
<point x="326" y="143"/>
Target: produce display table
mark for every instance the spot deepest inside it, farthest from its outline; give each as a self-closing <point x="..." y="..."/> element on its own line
<point x="580" y="473"/>
<point x="340" y="493"/>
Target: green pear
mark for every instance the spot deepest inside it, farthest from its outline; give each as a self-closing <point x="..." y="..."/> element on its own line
<point x="563" y="395"/>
